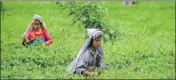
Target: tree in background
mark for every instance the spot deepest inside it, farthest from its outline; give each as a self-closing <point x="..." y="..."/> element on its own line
<point x="91" y="15"/>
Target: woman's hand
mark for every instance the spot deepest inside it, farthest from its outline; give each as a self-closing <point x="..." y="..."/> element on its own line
<point x="24" y="41"/>
<point x="96" y="73"/>
<point x="91" y="74"/>
<point x="46" y="43"/>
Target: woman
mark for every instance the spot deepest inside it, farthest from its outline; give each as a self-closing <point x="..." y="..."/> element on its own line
<point x="90" y="55"/>
<point x="129" y="2"/>
<point x="36" y="33"/>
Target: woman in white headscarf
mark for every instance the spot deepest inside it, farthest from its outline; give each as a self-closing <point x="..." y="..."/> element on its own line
<point x="36" y="33"/>
<point x="90" y="55"/>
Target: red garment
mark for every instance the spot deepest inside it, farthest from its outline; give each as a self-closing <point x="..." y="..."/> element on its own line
<point x="40" y="33"/>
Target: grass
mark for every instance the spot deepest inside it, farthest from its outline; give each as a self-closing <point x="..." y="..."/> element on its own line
<point x="145" y="50"/>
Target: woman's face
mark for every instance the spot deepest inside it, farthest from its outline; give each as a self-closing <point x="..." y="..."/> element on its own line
<point x="36" y="24"/>
<point x="96" y="42"/>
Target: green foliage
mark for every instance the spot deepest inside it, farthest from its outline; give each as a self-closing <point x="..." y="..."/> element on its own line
<point x="145" y="51"/>
<point x="91" y="15"/>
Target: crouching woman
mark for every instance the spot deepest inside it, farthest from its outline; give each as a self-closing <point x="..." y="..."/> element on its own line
<point x="90" y="56"/>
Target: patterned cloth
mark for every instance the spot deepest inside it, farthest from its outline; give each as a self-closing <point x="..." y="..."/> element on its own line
<point x="41" y="34"/>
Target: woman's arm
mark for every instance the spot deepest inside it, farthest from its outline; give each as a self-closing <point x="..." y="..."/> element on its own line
<point x="47" y="36"/>
<point x="101" y="63"/>
<point x="82" y="65"/>
<point x="28" y="36"/>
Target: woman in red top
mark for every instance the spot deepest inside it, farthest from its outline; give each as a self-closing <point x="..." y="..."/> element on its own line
<point x="36" y="33"/>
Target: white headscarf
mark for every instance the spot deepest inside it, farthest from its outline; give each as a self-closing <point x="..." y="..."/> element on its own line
<point x="92" y="34"/>
<point x="35" y="17"/>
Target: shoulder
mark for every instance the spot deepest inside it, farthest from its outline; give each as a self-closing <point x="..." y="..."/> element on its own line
<point x="86" y="53"/>
<point x="30" y="31"/>
<point x="44" y="30"/>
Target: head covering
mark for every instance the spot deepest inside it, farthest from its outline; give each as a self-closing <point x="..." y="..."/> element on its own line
<point x="92" y="34"/>
<point x="35" y="17"/>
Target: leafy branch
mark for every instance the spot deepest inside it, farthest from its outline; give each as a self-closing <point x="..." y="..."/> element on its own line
<point x="91" y="15"/>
